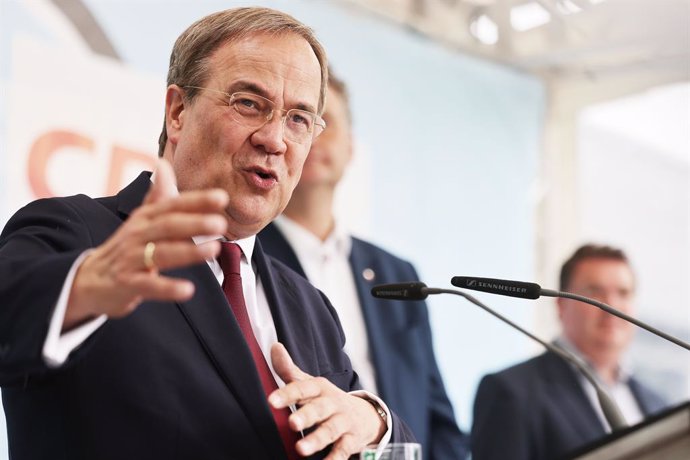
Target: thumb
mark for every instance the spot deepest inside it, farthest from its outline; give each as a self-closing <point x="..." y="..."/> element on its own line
<point x="284" y="366"/>
<point x="165" y="185"/>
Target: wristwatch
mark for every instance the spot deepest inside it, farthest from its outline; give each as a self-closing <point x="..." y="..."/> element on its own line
<point x="379" y="410"/>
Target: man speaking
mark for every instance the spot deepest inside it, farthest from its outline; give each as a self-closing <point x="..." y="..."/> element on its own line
<point x="124" y="337"/>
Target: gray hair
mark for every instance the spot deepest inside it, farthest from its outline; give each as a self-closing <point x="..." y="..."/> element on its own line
<point x="190" y="55"/>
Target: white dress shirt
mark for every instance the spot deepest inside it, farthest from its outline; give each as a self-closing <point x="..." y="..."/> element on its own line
<point x="58" y="346"/>
<point x="327" y="266"/>
<point x="619" y="391"/>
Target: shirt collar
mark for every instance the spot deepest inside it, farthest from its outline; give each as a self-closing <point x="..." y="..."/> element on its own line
<point x="337" y="241"/>
<point x="246" y="244"/>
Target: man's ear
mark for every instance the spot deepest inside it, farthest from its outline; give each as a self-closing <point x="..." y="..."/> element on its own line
<point x="350" y="147"/>
<point x="562" y="304"/>
<point x="174" y="112"/>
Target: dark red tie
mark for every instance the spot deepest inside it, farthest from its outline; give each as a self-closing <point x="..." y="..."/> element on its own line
<point x="229" y="259"/>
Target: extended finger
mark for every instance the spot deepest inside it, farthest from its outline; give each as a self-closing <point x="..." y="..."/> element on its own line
<point x="298" y="392"/>
<point x="138" y="288"/>
<point x="178" y="226"/>
<point x="315" y="411"/>
<point x="170" y="255"/>
<point x="211" y="200"/>
<point x="283" y="365"/>
<point x="325" y="434"/>
<point x="165" y="185"/>
<point x="121" y="260"/>
<point x="161" y="288"/>
<point x="343" y="448"/>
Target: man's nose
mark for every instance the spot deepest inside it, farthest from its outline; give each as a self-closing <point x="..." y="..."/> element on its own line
<point x="271" y="136"/>
<point x="614" y="299"/>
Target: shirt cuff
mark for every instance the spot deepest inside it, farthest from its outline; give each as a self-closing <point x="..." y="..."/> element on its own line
<point x="389" y="420"/>
<point x="58" y="346"/>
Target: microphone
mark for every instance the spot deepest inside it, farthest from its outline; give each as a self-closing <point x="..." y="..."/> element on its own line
<point x="419" y="291"/>
<point x="526" y="290"/>
<point x="401" y="291"/>
<point x="495" y="286"/>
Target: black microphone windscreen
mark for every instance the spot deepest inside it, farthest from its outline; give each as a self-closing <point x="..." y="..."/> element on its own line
<point x="519" y="289"/>
<point x="400" y="291"/>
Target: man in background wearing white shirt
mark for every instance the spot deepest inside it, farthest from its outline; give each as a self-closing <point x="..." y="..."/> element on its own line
<point x="544" y="408"/>
<point x="389" y="342"/>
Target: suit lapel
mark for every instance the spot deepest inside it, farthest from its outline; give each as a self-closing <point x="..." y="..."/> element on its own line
<point x="568" y="393"/>
<point x="639" y="396"/>
<point x="376" y="323"/>
<point x="274" y="243"/>
<point x="210" y="317"/>
<point x="289" y="316"/>
<point x="131" y="197"/>
<point x="647" y="401"/>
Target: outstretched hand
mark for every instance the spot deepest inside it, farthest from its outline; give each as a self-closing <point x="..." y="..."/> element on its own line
<point x="125" y="270"/>
<point x="348" y="422"/>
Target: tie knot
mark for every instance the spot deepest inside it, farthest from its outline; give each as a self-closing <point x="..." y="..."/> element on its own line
<point x="229" y="258"/>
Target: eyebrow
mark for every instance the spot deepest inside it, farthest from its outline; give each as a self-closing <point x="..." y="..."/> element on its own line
<point x="250" y="87"/>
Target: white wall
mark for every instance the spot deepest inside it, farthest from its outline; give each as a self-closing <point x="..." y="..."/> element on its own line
<point x="634" y="192"/>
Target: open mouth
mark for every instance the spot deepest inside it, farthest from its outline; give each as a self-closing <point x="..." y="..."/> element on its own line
<point x="264" y="175"/>
<point x="263" y="178"/>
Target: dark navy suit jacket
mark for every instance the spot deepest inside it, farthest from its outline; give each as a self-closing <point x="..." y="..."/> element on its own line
<point x="399" y="336"/>
<point x="537" y="410"/>
<point x="170" y="381"/>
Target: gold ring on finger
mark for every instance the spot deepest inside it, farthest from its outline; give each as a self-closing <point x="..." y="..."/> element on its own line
<point x="149" y="250"/>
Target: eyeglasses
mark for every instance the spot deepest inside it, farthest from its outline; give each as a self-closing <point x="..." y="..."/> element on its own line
<point x="254" y="111"/>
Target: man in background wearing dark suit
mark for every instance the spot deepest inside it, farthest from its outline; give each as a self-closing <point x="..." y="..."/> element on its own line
<point x="543" y="408"/>
<point x="388" y="342"/>
<point x="123" y="338"/>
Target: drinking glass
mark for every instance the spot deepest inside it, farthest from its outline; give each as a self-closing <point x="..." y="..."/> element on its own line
<point x="394" y="451"/>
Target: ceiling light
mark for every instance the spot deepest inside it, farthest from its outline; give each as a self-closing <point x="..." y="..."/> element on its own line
<point x="484" y="29"/>
<point x="528" y="16"/>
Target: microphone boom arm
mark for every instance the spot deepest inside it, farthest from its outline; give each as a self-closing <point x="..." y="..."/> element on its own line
<point x="614" y="312"/>
<point x="525" y="290"/>
<point x="608" y="406"/>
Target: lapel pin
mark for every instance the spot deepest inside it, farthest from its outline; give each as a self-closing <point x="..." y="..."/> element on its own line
<point x="368" y="274"/>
